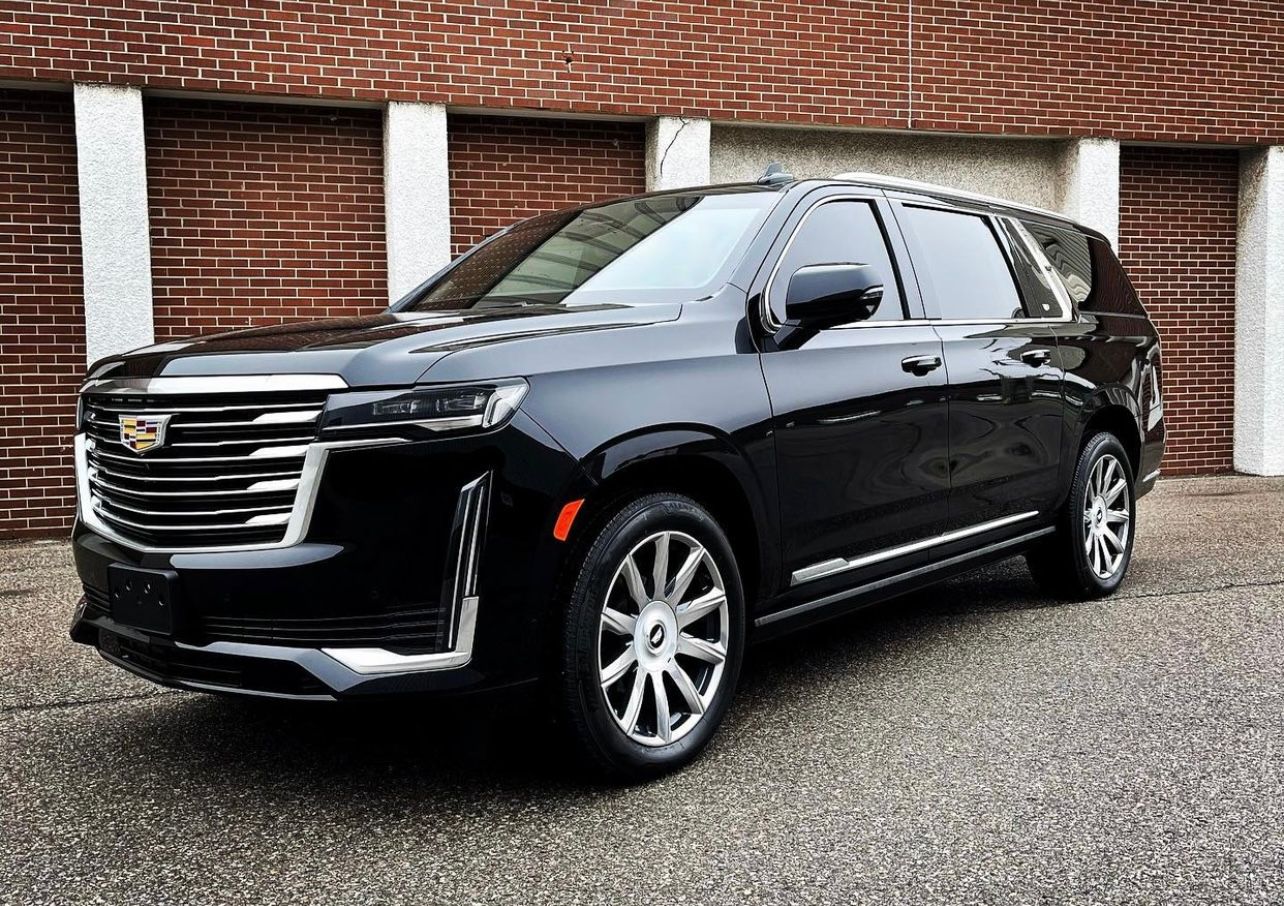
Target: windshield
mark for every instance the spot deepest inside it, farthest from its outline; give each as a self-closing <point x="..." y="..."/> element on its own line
<point x="660" y="249"/>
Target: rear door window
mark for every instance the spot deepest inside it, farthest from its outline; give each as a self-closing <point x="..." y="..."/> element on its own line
<point x="960" y="265"/>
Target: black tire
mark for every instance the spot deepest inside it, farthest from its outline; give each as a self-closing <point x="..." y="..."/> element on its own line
<point x="1062" y="565"/>
<point x="592" y="716"/>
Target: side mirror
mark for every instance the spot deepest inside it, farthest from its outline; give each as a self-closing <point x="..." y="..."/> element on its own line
<point x="826" y="295"/>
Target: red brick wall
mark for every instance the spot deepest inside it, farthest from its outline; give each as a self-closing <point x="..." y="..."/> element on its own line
<point x="42" y="340"/>
<point x="503" y="169"/>
<point x="1177" y="224"/>
<point x="262" y="214"/>
<point x="1142" y="69"/>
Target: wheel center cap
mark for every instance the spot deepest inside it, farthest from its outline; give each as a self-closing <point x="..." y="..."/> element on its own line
<point x="656" y="638"/>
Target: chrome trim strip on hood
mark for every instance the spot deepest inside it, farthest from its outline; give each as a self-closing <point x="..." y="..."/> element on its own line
<point x="210" y="383"/>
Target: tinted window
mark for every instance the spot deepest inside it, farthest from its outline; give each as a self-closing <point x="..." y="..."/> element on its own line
<point x="960" y="265"/>
<point x="666" y="248"/>
<point x="1069" y="256"/>
<point x="1112" y="292"/>
<point x="1040" y="286"/>
<point x="841" y="232"/>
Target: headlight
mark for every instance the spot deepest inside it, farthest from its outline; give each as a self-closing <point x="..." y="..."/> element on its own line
<point x="457" y="407"/>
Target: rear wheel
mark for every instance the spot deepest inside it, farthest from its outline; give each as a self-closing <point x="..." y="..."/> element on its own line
<point x="1090" y="552"/>
<point x="653" y="639"/>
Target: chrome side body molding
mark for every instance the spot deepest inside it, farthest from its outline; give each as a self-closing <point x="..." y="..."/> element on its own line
<point x="924" y="570"/>
<point x="840" y="565"/>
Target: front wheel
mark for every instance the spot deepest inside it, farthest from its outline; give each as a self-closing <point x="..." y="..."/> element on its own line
<point x="1090" y="552"/>
<point x="653" y="639"/>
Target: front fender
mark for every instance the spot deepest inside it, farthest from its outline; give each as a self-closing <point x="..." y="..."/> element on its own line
<point x="697" y="460"/>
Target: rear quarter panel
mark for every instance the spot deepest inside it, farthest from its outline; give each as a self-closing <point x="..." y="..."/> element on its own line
<point x="1112" y="360"/>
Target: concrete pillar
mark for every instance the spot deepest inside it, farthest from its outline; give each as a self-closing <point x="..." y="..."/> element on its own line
<point x="677" y="153"/>
<point x="416" y="186"/>
<point x="1259" y="314"/>
<point x="1088" y="184"/>
<point x="111" y="167"/>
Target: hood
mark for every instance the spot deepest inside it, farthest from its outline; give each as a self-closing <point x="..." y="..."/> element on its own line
<point x="386" y="349"/>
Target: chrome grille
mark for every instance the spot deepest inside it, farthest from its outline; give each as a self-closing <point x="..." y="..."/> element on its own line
<point x="227" y="474"/>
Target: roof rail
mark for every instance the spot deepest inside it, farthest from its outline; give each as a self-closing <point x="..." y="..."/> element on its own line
<point x="915" y="185"/>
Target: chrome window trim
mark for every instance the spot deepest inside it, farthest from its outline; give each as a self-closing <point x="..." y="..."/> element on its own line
<point x="232" y="383"/>
<point x="300" y="514"/>
<point x="861" y="325"/>
<point x="913" y="185"/>
<point x="965" y="322"/>
<point x="836" y="565"/>
<point x="460" y="589"/>
<point x="767" y="316"/>
<point x="951" y="322"/>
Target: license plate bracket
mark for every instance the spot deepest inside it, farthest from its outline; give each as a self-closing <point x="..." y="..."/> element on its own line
<point x="143" y="598"/>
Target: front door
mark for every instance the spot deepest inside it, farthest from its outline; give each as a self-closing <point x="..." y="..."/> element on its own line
<point x="859" y="411"/>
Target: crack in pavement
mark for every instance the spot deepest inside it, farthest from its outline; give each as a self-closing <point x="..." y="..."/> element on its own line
<point x="1175" y="593"/>
<point x="1122" y="598"/>
<point x="51" y="706"/>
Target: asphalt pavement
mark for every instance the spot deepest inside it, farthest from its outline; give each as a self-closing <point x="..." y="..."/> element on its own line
<point x="976" y="743"/>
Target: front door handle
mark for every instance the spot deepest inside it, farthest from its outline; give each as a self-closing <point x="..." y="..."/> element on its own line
<point x="1036" y="357"/>
<point x="921" y="364"/>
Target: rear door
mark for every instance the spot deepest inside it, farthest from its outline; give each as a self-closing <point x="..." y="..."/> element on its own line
<point x="859" y="411"/>
<point x="997" y="313"/>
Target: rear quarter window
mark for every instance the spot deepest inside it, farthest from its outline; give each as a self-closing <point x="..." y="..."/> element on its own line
<point x="1068" y="253"/>
<point x="1089" y="269"/>
<point x="1041" y="286"/>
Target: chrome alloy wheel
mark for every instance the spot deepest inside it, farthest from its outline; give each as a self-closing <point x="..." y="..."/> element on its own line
<point x="1107" y="518"/>
<point x="662" y="639"/>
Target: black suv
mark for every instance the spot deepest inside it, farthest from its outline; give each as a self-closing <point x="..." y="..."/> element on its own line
<point x="608" y="446"/>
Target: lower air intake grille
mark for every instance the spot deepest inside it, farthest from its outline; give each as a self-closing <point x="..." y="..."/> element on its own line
<point x="418" y="629"/>
<point x="170" y="664"/>
<point x="97" y="602"/>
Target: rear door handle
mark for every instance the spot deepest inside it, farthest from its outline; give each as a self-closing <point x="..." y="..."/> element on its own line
<point x="921" y="364"/>
<point x="1036" y="357"/>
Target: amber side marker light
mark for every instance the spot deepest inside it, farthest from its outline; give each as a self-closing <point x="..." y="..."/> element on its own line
<point x="562" y="528"/>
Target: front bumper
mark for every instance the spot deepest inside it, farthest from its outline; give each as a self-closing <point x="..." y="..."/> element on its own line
<point x="426" y="568"/>
<point x="271" y="671"/>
